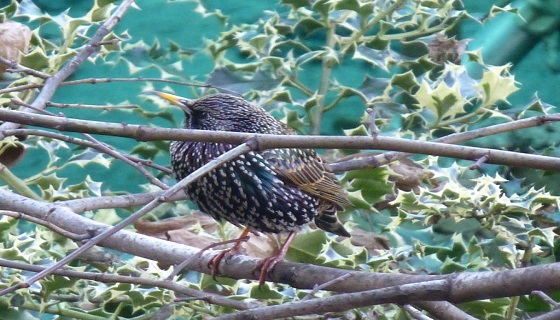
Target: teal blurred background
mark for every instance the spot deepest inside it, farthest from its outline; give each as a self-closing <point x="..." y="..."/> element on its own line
<point x="178" y="22"/>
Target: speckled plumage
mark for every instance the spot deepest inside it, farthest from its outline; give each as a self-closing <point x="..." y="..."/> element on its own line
<point x="276" y="190"/>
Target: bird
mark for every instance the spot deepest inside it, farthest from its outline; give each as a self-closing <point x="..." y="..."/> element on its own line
<point x="269" y="191"/>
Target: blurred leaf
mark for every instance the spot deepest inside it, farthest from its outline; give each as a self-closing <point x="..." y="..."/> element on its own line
<point x="235" y="81"/>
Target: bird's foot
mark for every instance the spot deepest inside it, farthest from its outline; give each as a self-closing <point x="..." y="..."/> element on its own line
<point x="214" y="262"/>
<point x="267" y="265"/>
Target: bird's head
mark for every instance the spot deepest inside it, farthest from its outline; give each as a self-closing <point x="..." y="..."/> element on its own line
<point x="224" y="112"/>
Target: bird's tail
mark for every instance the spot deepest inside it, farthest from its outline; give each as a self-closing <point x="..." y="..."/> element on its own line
<point x="328" y="221"/>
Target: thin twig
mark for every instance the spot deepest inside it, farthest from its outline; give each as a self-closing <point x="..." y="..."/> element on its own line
<point x="21" y="88"/>
<point x="111" y="278"/>
<point x="316" y="288"/>
<point x="110" y="151"/>
<point x="91" y="106"/>
<point x="19" y="102"/>
<point x="78" y="141"/>
<point x="371" y="123"/>
<point x="185" y="264"/>
<point x="231" y="154"/>
<point x="415" y="313"/>
<point x="546" y="298"/>
<point x="346" y="301"/>
<point x="16" y="67"/>
<point x="106" y="149"/>
<point x="479" y="162"/>
<point x="387" y="157"/>
<point x="177" y="82"/>
<point x="81" y="142"/>
<point x="118" y="201"/>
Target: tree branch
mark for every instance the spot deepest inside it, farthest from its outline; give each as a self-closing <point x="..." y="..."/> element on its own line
<point x="265" y="141"/>
<point x="111" y="278"/>
<point x="80" y="142"/>
<point x="107" y="232"/>
<point x="52" y="83"/>
<point x="385" y="158"/>
<point x="462" y="286"/>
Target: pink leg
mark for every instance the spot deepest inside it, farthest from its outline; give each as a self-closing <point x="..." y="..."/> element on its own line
<point x="266" y="265"/>
<point x="214" y="262"/>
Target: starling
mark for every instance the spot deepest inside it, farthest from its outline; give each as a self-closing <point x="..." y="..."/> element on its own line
<point x="276" y="191"/>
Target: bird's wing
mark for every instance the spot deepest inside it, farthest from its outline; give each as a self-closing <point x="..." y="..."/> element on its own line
<point x="305" y="169"/>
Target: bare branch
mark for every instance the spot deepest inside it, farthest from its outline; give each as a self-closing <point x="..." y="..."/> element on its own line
<point x="415" y="313"/>
<point x="385" y="158"/>
<point x="120" y="201"/>
<point x="552" y="315"/>
<point x="463" y="286"/>
<point x="16" y="67"/>
<point x="233" y="153"/>
<point x="52" y="83"/>
<point x="400" y="294"/>
<point x="443" y="310"/>
<point x="21" y="88"/>
<point x="316" y="288"/>
<point x="111" y="278"/>
<point x="136" y="165"/>
<point x="91" y="106"/>
<point x="479" y="162"/>
<point x="81" y="142"/>
<point x="145" y="133"/>
<point x="546" y="298"/>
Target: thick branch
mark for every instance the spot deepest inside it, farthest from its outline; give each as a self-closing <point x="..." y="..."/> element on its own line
<point x="458" y="287"/>
<point x="238" y="267"/>
<point x="465" y="286"/>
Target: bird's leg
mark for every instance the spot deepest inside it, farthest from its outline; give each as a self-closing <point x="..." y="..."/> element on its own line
<point x="214" y="262"/>
<point x="266" y="265"/>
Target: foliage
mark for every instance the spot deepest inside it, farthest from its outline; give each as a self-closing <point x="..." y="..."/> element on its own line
<point x="318" y="65"/>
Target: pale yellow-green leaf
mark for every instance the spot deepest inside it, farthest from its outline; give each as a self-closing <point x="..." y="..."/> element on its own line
<point x="496" y="85"/>
<point x="443" y="101"/>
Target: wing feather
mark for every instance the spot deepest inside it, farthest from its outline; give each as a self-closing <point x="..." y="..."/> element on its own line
<point x="306" y="169"/>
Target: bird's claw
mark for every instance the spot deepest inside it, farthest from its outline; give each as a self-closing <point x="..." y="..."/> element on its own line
<point x="214" y="263"/>
<point x="266" y="266"/>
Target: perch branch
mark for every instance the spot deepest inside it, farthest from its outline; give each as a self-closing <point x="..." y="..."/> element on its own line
<point x="265" y="141"/>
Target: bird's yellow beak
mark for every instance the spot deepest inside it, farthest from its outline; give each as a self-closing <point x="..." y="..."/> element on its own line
<point x="179" y="101"/>
<point x="176" y="100"/>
